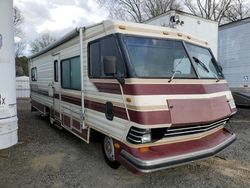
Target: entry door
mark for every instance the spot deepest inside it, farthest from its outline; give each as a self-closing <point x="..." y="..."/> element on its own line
<point x="57" y="87"/>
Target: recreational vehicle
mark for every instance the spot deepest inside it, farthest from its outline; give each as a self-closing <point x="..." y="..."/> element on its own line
<point x="156" y="95"/>
<point x="8" y="117"/>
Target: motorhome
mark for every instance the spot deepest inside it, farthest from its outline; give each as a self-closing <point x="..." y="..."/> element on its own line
<point x="156" y="95"/>
<point x="8" y="116"/>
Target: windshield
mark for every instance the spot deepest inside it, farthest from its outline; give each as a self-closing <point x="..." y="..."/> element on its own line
<point x="159" y="58"/>
<point x="204" y="62"/>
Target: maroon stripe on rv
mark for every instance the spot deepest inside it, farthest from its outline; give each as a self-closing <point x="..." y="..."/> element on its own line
<point x="108" y="88"/>
<point x="83" y="134"/>
<point x="56" y="95"/>
<point x="66" y="120"/>
<point x="100" y="107"/>
<point x="37" y="105"/>
<point x="171" y="89"/>
<point x="72" y="100"/>
<point x="76" y="124"/>
<point x="150" y="118"/>
<point x="179" y="148"/>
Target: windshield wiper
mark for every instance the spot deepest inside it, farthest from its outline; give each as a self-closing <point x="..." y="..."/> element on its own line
<point x="174" y="73"/>
<point x="205" y="68"/>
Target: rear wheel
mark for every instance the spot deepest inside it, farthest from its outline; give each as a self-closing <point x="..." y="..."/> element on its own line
<point x="109" y="152"/>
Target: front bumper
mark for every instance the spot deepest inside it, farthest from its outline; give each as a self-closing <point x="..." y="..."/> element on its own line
<point x="164" y="157"/>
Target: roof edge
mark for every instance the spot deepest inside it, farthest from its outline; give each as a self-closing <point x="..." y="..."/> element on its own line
<point x="60" y="41"/>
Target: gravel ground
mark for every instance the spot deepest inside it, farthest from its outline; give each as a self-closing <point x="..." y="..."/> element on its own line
<point x="47" y="157"/>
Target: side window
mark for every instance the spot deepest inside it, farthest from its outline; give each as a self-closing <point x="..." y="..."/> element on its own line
<point x="98" y="50"/>
<point x="56" y="71"/>
<point x="94" y="57"/>
<point x="34" y="74"/>
<point x="71" y="74"/>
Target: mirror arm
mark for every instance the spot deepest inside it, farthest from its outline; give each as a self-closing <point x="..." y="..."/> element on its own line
<point x="119" y="78"/>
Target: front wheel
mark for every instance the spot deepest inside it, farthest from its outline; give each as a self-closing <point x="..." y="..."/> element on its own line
<point x="109" y="152"/>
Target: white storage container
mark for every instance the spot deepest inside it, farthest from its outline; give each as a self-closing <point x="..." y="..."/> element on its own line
<point x="22" y="87"/>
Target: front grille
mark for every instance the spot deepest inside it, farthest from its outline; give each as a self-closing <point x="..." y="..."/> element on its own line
<point x="135" y="135"/>
<point x="180" y="131"/>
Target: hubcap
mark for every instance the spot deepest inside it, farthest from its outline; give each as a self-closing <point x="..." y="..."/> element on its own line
<point x="109" y="148"/>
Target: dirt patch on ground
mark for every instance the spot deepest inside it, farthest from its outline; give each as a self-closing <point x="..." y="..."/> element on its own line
<point x="53" y="160"/>
<point x="229" y="167"/>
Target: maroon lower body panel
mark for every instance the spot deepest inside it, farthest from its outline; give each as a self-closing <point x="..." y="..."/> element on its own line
<point x="168" y="155"/>
<point x="37" y="105"/>
<point x="75" y="127"/>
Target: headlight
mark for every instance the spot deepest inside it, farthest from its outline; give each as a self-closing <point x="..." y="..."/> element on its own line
<point x="231" y="103"/>
<point x="146" y="137"/>
<point x="138" y="135"/>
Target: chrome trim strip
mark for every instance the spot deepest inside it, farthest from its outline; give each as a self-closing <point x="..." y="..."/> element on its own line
<point x="146" y="166"/>
<point x="199" y="126"/>
<point x="143" y="132"/>
<point x="135" y="135"/>
<point x="194" y="130"/>
<point x="136" y="141"/>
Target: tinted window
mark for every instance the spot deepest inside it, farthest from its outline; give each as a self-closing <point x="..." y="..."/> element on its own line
<point x="71" y="74"/>
<point x="98" y="50"/>
<point x="95" y="68"/>
<point x="34" y="74"/>
<point x="75" y="81"/>
<point x="56" y="71"/>
<point x="65" y="66"/>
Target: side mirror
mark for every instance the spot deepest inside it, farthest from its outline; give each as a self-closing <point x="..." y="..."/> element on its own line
<point x="110" y="69"/>
<point x="109" y="64"/>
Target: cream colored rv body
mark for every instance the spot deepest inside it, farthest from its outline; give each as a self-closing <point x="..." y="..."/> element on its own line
<point x="140" y="103"/>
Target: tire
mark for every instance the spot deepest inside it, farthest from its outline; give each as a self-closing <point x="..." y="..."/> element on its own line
<point x="108" y="152"/>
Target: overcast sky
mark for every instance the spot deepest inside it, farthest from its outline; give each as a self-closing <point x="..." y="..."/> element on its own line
<point x="57" y="17"/>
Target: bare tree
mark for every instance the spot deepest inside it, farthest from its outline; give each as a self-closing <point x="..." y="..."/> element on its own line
<point x="19" y="48"/>
<point x="42" y="42"/>
<point x="157" y="7"/>
<point x="210" y="9"/>
<point x="18" y="20"/>
<point x="240" y="9"/>
<point x="138" y="10"/>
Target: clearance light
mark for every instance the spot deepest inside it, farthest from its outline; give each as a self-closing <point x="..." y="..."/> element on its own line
<point x="165" y="33"/>
<point x="122" y="27"/>
<point x="179" y="34"/>
<point x="128" y="99"/>
<point x="117" y="146"/>
<point x="144" y="149"/>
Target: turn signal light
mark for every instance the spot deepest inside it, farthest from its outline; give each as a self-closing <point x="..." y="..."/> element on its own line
<point x="144" y="149"/>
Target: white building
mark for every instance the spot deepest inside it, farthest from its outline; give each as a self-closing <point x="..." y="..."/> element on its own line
<point x="188" y="23"/>
<point x="234" y="57"/>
